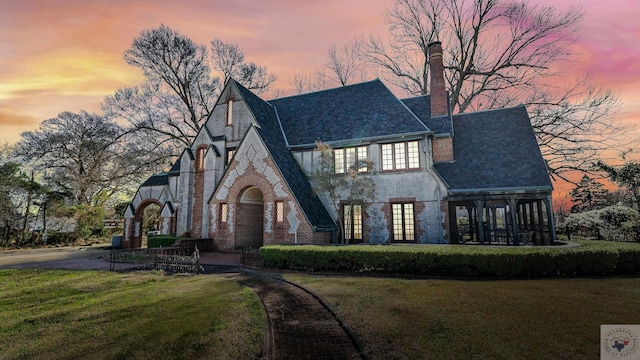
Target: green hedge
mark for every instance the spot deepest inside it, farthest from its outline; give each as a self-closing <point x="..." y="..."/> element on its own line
<point x="154" y="241"/>
<point x="589" y="259"/>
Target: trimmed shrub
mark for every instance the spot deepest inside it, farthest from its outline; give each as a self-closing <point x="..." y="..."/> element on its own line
<point x="154" y="241"/>
<point x="590" y="259"/>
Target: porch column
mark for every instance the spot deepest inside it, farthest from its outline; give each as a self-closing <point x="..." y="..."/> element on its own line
<point x="513" y="207"/>
<point x="532" y="217"/>
<point x="494" y="225"/>
<point x="543" y="240"/>
<point x="453" y="224"/>
<point x="480" y="224"/>
<point x="552" y="226"/>
<point x="471" y="220"/>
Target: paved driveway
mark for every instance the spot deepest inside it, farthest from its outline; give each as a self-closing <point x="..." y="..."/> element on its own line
<point x="69" y="257"/>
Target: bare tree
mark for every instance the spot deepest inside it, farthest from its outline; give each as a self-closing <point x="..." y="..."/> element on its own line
<point x="343" y="66"/>
<point x="304" y="82"/>
<point x="167" y="110"/>
<point x="500" y="53"/>
<point x="228" y="60"/>
<point x="86" y="153"/>
<point x="170" y="59"/>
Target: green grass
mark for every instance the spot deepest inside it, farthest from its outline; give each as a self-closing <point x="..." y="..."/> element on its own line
<point x="452" y="319"/>
<point x="57" y="314"/>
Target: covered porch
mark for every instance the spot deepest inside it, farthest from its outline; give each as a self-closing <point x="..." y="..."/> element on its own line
<point x="501" y="218"/>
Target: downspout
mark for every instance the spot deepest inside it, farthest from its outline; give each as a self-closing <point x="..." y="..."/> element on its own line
<point x="441" y="215"/>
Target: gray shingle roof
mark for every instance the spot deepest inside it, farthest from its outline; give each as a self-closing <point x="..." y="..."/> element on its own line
<point x="156" y="180"/>
<point x="421" y="107"/>
<point x="495" y="149"/>
<point x="273" y="138"/>
<point x="360" y="111"/>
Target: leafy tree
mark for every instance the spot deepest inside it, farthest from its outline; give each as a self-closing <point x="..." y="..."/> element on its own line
<point x="500" y="53"/>
<point x="84" y="153"/>
<point x="11" y="181"/>
<point x="588" y="195"/>
<point x="612" y="223"/>
<point x="89" y="220"/>
<point x="353" y="188"/>
<point x="627" y="175"/>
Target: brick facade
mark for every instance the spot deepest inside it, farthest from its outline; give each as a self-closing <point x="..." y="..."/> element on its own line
<point x="442" y="149"/>
<point x="293" y="229"/>
<point x="437" y="89"/>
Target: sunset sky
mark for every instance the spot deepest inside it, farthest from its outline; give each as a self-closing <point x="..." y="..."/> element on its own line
<point x="66" y="55"/>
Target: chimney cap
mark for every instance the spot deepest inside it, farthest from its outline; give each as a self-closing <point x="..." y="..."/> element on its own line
<point x="434" y="43"/>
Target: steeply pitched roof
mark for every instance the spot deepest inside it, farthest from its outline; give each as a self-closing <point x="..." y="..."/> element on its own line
<point x="421" y="107"/>
<point x="360" y="111"/>
<point x="156" y="180"/>
<point x="495" y="149"/>
<point x="175" y="168"/>
<point x="270" y="131"/>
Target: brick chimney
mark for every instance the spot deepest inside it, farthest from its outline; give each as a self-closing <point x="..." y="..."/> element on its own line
<point x="441" y="144"/>
<point x="437" y="89"/>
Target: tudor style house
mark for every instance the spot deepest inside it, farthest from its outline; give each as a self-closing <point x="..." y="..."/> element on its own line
<point x="248" y="177"/>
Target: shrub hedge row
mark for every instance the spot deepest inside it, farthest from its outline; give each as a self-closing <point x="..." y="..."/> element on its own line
<point x="589" y="259"/>
<point x="154" y="241"/>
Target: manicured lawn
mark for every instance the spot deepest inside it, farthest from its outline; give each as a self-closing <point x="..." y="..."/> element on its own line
<point x="57" y="314"/>
<point x="452" y="319"/>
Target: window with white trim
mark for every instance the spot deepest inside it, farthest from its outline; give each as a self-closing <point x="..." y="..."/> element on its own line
<point x="400" y="156"/>
<point x="346" y="158"/>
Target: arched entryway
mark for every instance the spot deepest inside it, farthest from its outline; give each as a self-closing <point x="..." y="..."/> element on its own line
<point x="250" y="220"/>
<point x="147" y="217"/>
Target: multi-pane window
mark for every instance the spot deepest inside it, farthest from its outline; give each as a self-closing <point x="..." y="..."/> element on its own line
<point x="229" y="112"/>
<point x="224" y="212"/>
<point x="230" y="153"/>
<point x="279" y="211"/>
<point x="200" y="158"/>
<point x="352" y="219"/>
<point x="400" y="156"/>
<point x="346" y="158"/>
<point x="403" y="222"/>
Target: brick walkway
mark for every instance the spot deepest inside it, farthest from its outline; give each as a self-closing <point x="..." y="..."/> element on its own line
<point x="300" y="326"/>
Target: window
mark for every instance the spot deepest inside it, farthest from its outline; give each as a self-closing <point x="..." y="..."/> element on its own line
<point x="224" y="212"/>
<point x="403" y="222"/>
<point x="230" y="153"/>
<point x="352" y="219"/>
<point x="229" y="112"/>
<point x="346" y="158"/>
<point x="200" y="158"/>
<point x="400" y="156"/>
<point x="279" y="212"/>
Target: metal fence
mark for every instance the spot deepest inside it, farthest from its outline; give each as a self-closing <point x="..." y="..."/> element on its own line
<point x="251" y="257"/>
<point x="172" y="260"/>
